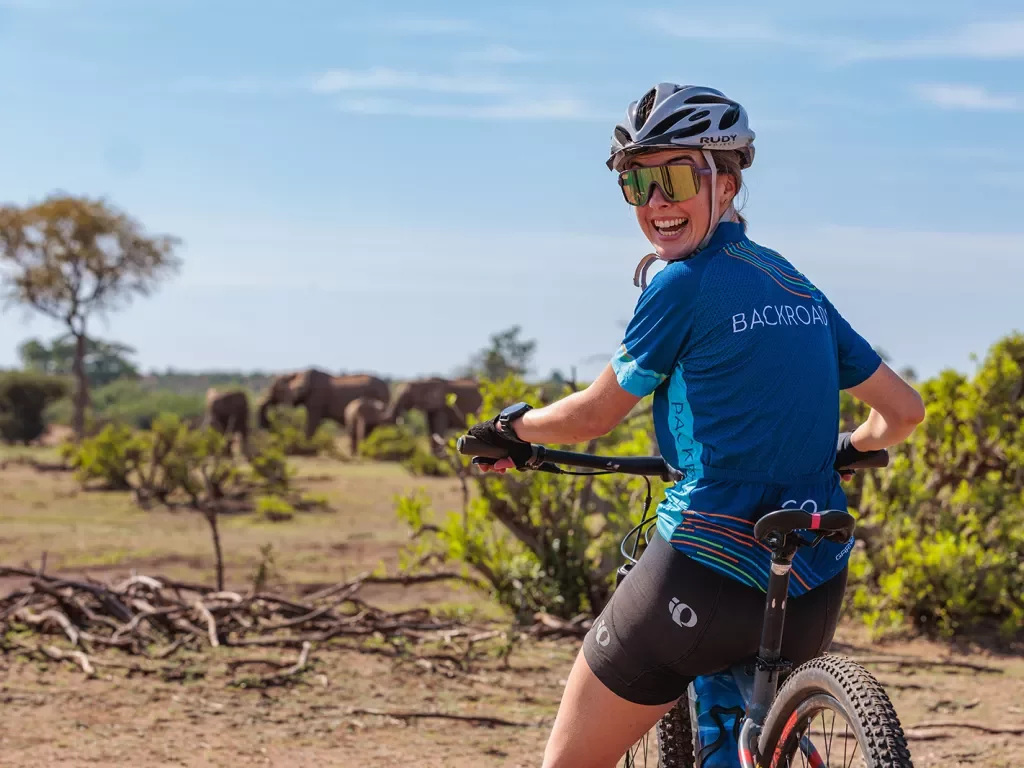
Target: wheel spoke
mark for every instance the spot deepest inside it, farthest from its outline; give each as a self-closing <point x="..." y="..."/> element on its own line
<point x="815" y="744"/>
<point x="826" y="738"/>
<point x="853" y="754"/>
<point x="632" y="755"/>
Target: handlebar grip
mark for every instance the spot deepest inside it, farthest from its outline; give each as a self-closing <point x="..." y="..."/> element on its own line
<point x="870" y="460"/>
<point x="468" y="445"/>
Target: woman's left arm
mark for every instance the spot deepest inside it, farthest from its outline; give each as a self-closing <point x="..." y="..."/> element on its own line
<point x="582" y="416"/>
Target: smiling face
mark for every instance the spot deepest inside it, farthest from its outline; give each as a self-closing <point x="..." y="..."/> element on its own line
<point x="676" y="229"/>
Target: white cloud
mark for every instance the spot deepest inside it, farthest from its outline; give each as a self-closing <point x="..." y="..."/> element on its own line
<point x="541" y="109"/>
<point x="338" y="80"/>
<point x="499" y="54"/>
<point x="34" y="5"/>
<point x="970" y="97"/>
<point x="245" y="85"/>
<point x="414" y="26"/>
<point x="695" y="29"/>
<point x="978" y="40"/>
<point x="420" y="26"/>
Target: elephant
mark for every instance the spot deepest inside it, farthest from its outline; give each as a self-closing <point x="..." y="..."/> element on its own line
<point x="323" y="396"/>
<point x="228" y="413"/>
<point x="362" y="415"/>
<point x="430" y="396"/>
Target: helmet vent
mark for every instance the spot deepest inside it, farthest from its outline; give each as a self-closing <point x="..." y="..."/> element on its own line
<point x="643" y="109"/>
<point x="700" y="115"/>
<point x="707" y="98"/>
<point x="729" y="118"/>
<point x="622" y="136"/>
<point x="690" y="130"/>
<point x="669" y="121"/>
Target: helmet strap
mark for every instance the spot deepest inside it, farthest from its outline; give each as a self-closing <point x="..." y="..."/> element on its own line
<point x="713" y="221"/>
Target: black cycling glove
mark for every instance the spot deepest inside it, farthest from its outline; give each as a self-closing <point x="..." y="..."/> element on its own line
<point x="487" y="432"/>
<point x="846" y="454"/>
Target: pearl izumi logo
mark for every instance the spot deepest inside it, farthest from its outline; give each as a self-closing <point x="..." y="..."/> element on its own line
<point x="681" y="613"/>
<point x="778" y="314"/>
<point x="602" y="635"/>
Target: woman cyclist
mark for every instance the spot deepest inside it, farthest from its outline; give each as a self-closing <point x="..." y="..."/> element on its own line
<point x="746" y="358"/>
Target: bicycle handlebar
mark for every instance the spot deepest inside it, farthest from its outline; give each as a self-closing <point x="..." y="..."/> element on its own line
<point x="544" y="458"/>
<point x="869" y="460"/>
<point x="631" y="465"/>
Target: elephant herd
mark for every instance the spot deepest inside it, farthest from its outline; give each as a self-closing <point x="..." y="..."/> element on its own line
<point x="357" y="402"/>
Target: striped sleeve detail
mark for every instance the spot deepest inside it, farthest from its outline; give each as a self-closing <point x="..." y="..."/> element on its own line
<point x="632" y="377"/>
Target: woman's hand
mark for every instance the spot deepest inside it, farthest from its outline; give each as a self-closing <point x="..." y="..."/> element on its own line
<point x="500" y="466"/>
<point x="518" y="452"/>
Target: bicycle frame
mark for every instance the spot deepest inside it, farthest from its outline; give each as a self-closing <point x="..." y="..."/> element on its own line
<point x="769" y="663"/>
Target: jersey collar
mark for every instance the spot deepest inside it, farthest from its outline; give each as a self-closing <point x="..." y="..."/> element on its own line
<point x="726" y="233"/>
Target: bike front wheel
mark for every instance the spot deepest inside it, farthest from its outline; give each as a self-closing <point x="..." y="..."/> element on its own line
<point x="672" y="746"/>
<point x="832" y="712"/>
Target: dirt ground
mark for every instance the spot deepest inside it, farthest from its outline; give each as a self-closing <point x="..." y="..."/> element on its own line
<point x="52" y="715"/>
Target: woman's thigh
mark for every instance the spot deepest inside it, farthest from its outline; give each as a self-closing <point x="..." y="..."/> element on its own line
<point x="594" y="727"/>
<point x="669" y="620"/>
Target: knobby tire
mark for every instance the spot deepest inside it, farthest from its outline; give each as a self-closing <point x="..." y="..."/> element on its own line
<point x="674" y="748"/>
<point x="862" y="702"/>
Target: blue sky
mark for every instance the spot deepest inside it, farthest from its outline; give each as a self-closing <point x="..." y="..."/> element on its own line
<point x="364" y="189"/>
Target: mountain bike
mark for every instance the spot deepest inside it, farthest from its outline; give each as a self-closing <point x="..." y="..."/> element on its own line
<point x="782" y="727"/>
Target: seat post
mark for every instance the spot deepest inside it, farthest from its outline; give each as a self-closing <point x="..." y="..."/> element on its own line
<point x="769" y="654"/>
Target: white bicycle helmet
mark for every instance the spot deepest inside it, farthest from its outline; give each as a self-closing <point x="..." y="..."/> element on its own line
<point x="671" y="116"/>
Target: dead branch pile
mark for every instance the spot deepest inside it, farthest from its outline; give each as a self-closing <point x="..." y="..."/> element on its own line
<point x="153" y="619"/>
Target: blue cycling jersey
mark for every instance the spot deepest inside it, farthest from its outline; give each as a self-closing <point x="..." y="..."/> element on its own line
<point x="746" y="359"/>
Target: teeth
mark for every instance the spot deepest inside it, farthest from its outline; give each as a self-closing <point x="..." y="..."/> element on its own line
<point x="669" y="223"/>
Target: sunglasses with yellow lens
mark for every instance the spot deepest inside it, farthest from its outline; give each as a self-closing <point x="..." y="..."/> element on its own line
<point x="677" y="182"/>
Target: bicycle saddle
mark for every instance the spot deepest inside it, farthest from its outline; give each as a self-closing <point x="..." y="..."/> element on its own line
<point x="835" y="524"/>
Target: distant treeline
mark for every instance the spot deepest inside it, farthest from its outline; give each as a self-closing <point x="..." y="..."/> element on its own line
<point x="183" y="383"/>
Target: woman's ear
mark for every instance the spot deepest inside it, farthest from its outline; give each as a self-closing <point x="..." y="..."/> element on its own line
<point x="727" y="189"/>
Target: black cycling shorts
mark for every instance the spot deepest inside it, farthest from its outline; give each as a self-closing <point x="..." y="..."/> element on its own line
<point x="672" y="619"/>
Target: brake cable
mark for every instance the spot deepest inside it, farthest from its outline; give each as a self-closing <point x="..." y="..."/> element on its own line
<point x="636" y="529"/>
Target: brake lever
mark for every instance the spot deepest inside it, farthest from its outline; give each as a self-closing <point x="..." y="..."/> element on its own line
<point x="547" y="466"/>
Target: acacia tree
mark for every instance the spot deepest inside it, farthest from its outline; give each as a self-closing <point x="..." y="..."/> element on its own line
<point x="70" y="258"/>
<point x="105" y="361"/>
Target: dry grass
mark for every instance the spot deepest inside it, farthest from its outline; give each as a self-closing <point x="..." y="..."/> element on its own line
<point x="105" y="535"/>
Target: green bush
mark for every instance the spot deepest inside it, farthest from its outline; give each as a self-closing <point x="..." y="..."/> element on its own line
<point x="171" y="460"/>
<point x="313" y="501"/>
<point x="942" y="530"/>
<point x="541" y="542"/>
<point x="24" y="398"/>
<point x="425" y="463"/>
<point x="405" y="444"/>
<point x="270" y="467"/>
<point x="390" y="443"/>
<point x="173" y="463"/>
<point x="288" y="434"/>
<point x="274" y="508"/>
<point x="109" y="457"/>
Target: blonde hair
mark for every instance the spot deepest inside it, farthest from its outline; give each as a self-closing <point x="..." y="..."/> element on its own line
<point x="727" y="162"/>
